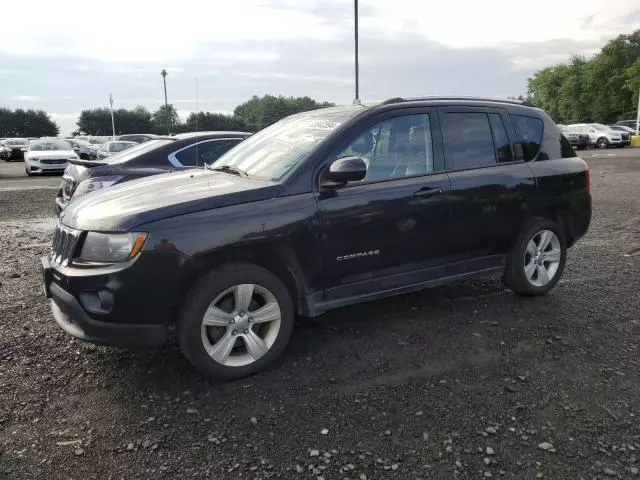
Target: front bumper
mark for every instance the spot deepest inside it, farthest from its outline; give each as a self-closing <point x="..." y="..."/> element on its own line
<point x="72" y="317"/>
<point x="38" y="167"/>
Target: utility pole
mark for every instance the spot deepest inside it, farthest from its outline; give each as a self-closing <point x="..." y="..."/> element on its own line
<point x="166" y="104"/>
<point x="638" y="117"/>
<point x="355" y="9"/>
<point x="113" y="123"/>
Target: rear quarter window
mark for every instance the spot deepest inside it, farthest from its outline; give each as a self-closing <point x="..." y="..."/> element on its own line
<point x="529" y="131"/>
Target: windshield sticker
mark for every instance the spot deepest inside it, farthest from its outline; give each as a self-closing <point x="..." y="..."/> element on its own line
<point x="322" y="125"/>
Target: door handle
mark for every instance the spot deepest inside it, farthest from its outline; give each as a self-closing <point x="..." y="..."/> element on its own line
<point x="428" y="192"/>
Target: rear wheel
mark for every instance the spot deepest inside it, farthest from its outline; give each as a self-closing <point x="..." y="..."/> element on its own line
<point x="537" y="259"/>
<point x="236" y="321"/>
<point x="602" y="142"/>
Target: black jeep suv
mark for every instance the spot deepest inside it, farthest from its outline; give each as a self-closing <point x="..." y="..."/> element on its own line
<point x="320" y="210"/>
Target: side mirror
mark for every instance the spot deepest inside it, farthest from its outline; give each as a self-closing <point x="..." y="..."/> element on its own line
<point x="345" y="170"/>
<point x="24" y="149"/>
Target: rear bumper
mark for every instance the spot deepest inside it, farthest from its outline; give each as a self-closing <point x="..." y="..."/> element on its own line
<point x="71" y="316"/>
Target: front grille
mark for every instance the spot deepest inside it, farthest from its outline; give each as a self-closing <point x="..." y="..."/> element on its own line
<point x="65" y="242"/>
<point x="53" y="161"/>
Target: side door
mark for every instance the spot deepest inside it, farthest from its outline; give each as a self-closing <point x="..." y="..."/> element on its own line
<point x="390" y="229"/>
<point x="491" y="184"/>
<point x="206" y="151"/>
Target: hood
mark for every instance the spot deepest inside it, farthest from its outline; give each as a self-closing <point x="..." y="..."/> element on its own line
<point x="123" y="207"/>
<point x="52" y="153"/>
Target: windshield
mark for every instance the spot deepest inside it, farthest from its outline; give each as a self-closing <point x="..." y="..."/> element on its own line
<point x="137" y="150"/>
<point x="80" y="143"/>
<point x="97" y="140"/>
<point x="120" y="146"/>
<point x="17" y="141"/>
<point x="42" y="146"/>
<point x="272" y="152"/>
<point x="601" y="128"/>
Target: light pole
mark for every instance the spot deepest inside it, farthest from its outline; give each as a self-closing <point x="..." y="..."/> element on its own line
<point x="638" y="117"/>
<point x="355" y="11"/>
<point x="113" y="123"/>
<point x="166" y="104"/>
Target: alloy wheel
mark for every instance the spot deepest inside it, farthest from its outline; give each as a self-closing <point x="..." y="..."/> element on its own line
<point x="241" y="325"/>
<point x="602" y="143"/>
<point x="542" y="258"/>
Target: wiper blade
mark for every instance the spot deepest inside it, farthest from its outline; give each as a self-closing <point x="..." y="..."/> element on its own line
<point x="230" y="169"/>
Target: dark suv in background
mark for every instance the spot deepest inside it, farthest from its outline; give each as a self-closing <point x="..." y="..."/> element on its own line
<point x="160" y="155"/>
<point x="320" y="210"/>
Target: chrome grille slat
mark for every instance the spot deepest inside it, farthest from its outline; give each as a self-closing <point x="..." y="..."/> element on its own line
<point x="64" y="244"/>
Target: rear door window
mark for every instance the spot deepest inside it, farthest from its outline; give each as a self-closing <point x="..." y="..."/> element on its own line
<point x="468" y="142"/>
<point x="529" y="131"/>
<point x="198" y="154"/>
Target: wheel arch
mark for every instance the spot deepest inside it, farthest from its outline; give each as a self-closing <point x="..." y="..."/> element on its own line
<point x="561" y="214"/>
<point x="278" y="260"/>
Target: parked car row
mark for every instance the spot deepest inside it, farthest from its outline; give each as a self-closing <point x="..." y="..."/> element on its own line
<point x="583" y="135"/>
<point x="85" y="148"/>
<point x="320" y="210"/>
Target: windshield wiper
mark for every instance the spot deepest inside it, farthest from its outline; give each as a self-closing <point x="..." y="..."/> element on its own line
<point x="230" y="169"/>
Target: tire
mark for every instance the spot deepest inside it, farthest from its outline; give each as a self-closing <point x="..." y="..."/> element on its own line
<point x="26" y="170"/>
<point x="523" y="274"/>
<point x="234" y="329"/>
<point x="602" y="142"/>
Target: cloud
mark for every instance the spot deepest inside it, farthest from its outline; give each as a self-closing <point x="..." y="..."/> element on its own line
<point x="407" y="48"/>
<point x="25" y="98"/>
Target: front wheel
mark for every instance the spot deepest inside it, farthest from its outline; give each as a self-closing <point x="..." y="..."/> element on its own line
<point x="602" y="143"/>
<point x="235" y="322"/>
<point x="537" y="259"/>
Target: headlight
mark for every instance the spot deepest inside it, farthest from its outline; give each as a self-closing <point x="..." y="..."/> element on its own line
<point x="92" y="184"/>
<point x="35" y="159"/>
<point x="73" y="157"/>
<point x="111" y="247"/>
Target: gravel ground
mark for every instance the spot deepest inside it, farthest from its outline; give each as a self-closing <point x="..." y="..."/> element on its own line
<point x="466" y="381"/>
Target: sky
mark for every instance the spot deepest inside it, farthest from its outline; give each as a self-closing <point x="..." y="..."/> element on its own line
<point x="66" y="56"/>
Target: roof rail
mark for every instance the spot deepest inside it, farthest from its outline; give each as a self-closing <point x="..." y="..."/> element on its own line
<point x="469" y="98"/>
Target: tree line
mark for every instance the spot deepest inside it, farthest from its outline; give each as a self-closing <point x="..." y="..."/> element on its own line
<point x="251" y="116"/>
<point x="26" y="123"/>
<point x="603" y="88"/>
